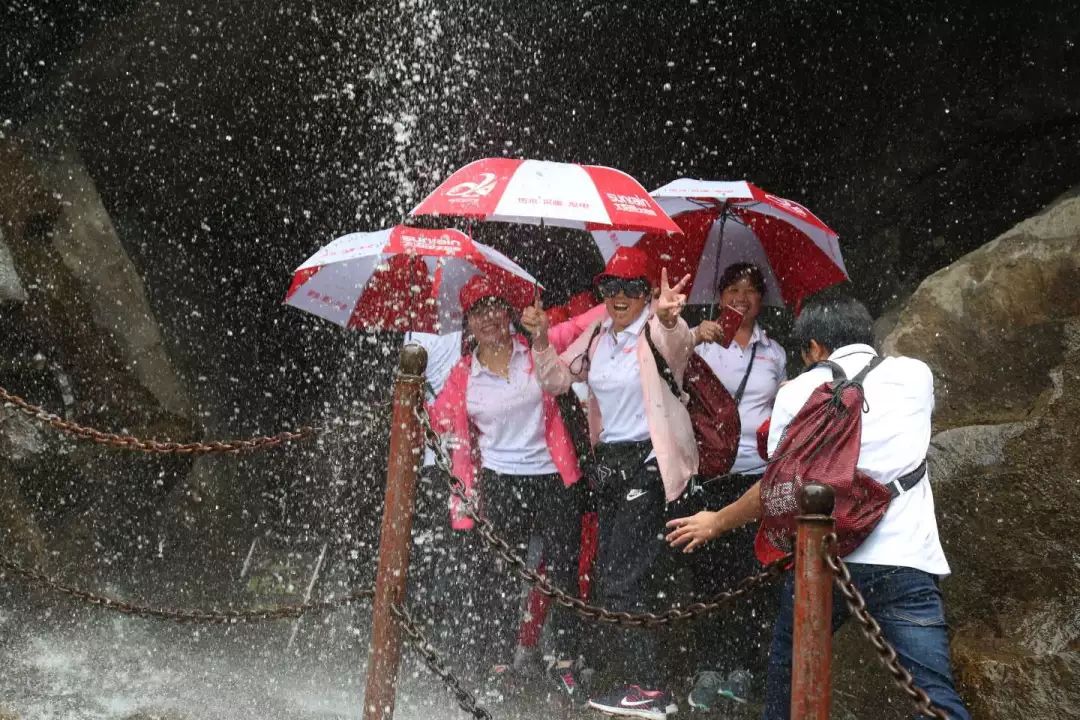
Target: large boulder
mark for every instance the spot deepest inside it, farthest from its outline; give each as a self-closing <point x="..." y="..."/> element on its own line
<point x="1001" y="329"/>
<point x="11" y="289"/>
<point x="990" y="324"/>
<point x="85" y="344"/>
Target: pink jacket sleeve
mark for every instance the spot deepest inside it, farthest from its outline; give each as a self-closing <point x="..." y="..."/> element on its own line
<point x="553" y="369"/>
<point x="561" y="335"/>
<point x="444" y="407"/>
<point x="675" y="344"/>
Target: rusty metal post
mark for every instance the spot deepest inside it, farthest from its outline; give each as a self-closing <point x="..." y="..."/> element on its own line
<point x="406" y="451"/>
<point x="811" y="664"/>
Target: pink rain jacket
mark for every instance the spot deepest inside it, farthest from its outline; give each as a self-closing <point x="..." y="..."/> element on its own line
<point x="449" y="415"/>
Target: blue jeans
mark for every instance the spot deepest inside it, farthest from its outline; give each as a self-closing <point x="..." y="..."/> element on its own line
<point x="907" y="604"/>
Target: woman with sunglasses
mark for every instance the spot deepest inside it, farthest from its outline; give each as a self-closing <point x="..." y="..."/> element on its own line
<point x="644" y="445"/>
<point x="513" y="454"/>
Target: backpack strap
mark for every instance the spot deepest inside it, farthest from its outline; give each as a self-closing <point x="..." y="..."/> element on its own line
<point x="874" y="362"/>
<point x="840" y="376"/>
<point x="662" y="365"/>
<point x="742" y="386"/>
<point x="905" y="482"/>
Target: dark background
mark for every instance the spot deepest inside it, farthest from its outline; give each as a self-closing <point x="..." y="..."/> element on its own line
<point x="229" y="140"/>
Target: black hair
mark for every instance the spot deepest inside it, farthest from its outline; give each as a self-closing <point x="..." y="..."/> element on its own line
<point x="738" y="271"/>
<point x="833" y="321"/>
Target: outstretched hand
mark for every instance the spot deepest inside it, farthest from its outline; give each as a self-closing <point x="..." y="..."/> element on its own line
<point x="672" y="299"/>
<point x="535" y="320"/>
<point x="695" y="530"/>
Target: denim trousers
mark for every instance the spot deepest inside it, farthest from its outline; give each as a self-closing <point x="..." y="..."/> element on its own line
<point x="907" y="604"/>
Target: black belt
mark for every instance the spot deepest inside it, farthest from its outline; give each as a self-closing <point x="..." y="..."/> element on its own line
<point x="904" y="483"/>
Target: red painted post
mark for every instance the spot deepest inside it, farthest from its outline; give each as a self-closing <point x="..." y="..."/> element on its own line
<point x="406" y="451"/>
<point x="811" y="665"/>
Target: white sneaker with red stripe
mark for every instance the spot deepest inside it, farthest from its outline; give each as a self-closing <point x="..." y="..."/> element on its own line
<point x="633" y="701"/>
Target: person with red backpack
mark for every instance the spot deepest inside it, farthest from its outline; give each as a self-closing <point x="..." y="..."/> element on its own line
<point x="861" y="424"/>
<point x="644" y="446"/>
<point x="751" y="366"/>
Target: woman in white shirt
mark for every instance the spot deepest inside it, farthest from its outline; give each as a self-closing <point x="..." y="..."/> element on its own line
<point x="516" y="458"/>
<point x="751" y="367"/>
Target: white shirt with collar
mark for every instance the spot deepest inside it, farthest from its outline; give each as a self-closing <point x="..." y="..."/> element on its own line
<point x="769" y="370"/>
<point x="509" y="416"/>
<point x="895" y="437"/>
<point x="615" y="381"/>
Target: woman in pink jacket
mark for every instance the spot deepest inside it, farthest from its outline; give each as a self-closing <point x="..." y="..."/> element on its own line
<point x="513" y="453"/>
<point x="644" y="445"/>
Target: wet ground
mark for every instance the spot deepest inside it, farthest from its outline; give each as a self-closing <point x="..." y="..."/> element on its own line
<point x="74" y="664"/>
<point x="67" y="663"/>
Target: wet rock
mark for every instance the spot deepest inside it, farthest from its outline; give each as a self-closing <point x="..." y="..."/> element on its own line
<point x="990" y="324"/>
<point x="84" y="345"/>
<point x="11" y="290"/>
<point x="1001" y="328"/>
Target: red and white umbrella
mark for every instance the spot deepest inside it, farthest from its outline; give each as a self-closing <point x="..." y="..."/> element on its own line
<point x="401" y="279"/>
<point x="729" y="222"/>
<point x="540" y="192"/>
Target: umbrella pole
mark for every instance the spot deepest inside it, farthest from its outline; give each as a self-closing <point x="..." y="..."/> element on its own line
<point x="716" y="265"/>
<point x="406" y="443"/>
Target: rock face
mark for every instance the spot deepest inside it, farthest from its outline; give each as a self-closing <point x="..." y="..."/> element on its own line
<point x="84" y="343"/>
<point x="11" y="290"/>
<point x="1001" y="329"/>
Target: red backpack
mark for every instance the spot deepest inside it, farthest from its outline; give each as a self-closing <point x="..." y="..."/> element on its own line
<point x="714" y="413"/>
<point x="821" y="445"/>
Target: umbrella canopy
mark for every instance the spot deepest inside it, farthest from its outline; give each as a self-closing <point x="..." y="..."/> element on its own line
<point x="401" y="278"/>
<point x="729" y="222"/>
<point x="586" y="197"/>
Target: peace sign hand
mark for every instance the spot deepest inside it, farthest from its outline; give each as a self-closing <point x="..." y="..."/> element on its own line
<point x="672" y="299"/>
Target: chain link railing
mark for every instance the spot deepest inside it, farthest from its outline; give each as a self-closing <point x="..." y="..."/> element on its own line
<point x="435" y="663"/>
<point x="122" y="441"/>
<point x="415" y="635"/>
<point x="202" y="617"/>
<point x="590" y="612"/>
<point x="872" y="630"/>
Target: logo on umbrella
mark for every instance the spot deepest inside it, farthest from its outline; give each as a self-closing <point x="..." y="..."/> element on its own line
<point x="790" y="205"/>
<point x="479" y="189"/>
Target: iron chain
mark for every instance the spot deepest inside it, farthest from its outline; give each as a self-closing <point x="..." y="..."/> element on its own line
<point x="592" y="612"/>
<point x="434" y="662"/>
<point x="872" y="630"/>
<point x="203" y="617"/>
<point x="129" y="442"/>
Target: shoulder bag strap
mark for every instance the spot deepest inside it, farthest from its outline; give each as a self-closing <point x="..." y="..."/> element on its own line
<point x="745" y="377"/>
<point x="585" y="358"/>
<point x="662" y="365"/>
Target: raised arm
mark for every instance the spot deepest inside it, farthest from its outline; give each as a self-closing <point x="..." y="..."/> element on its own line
<point x="564" y="333"/>
<point x="670" y="333"/>
<point x="556" y="373"/>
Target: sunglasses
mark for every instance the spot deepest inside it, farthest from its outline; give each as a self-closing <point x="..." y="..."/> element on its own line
<point x="633" y="288"/>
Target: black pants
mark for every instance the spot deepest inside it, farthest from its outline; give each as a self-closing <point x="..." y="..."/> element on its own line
<point x="630" y="562"/>
<point x="736" y="638"/>
<point x="520" y="507"/>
